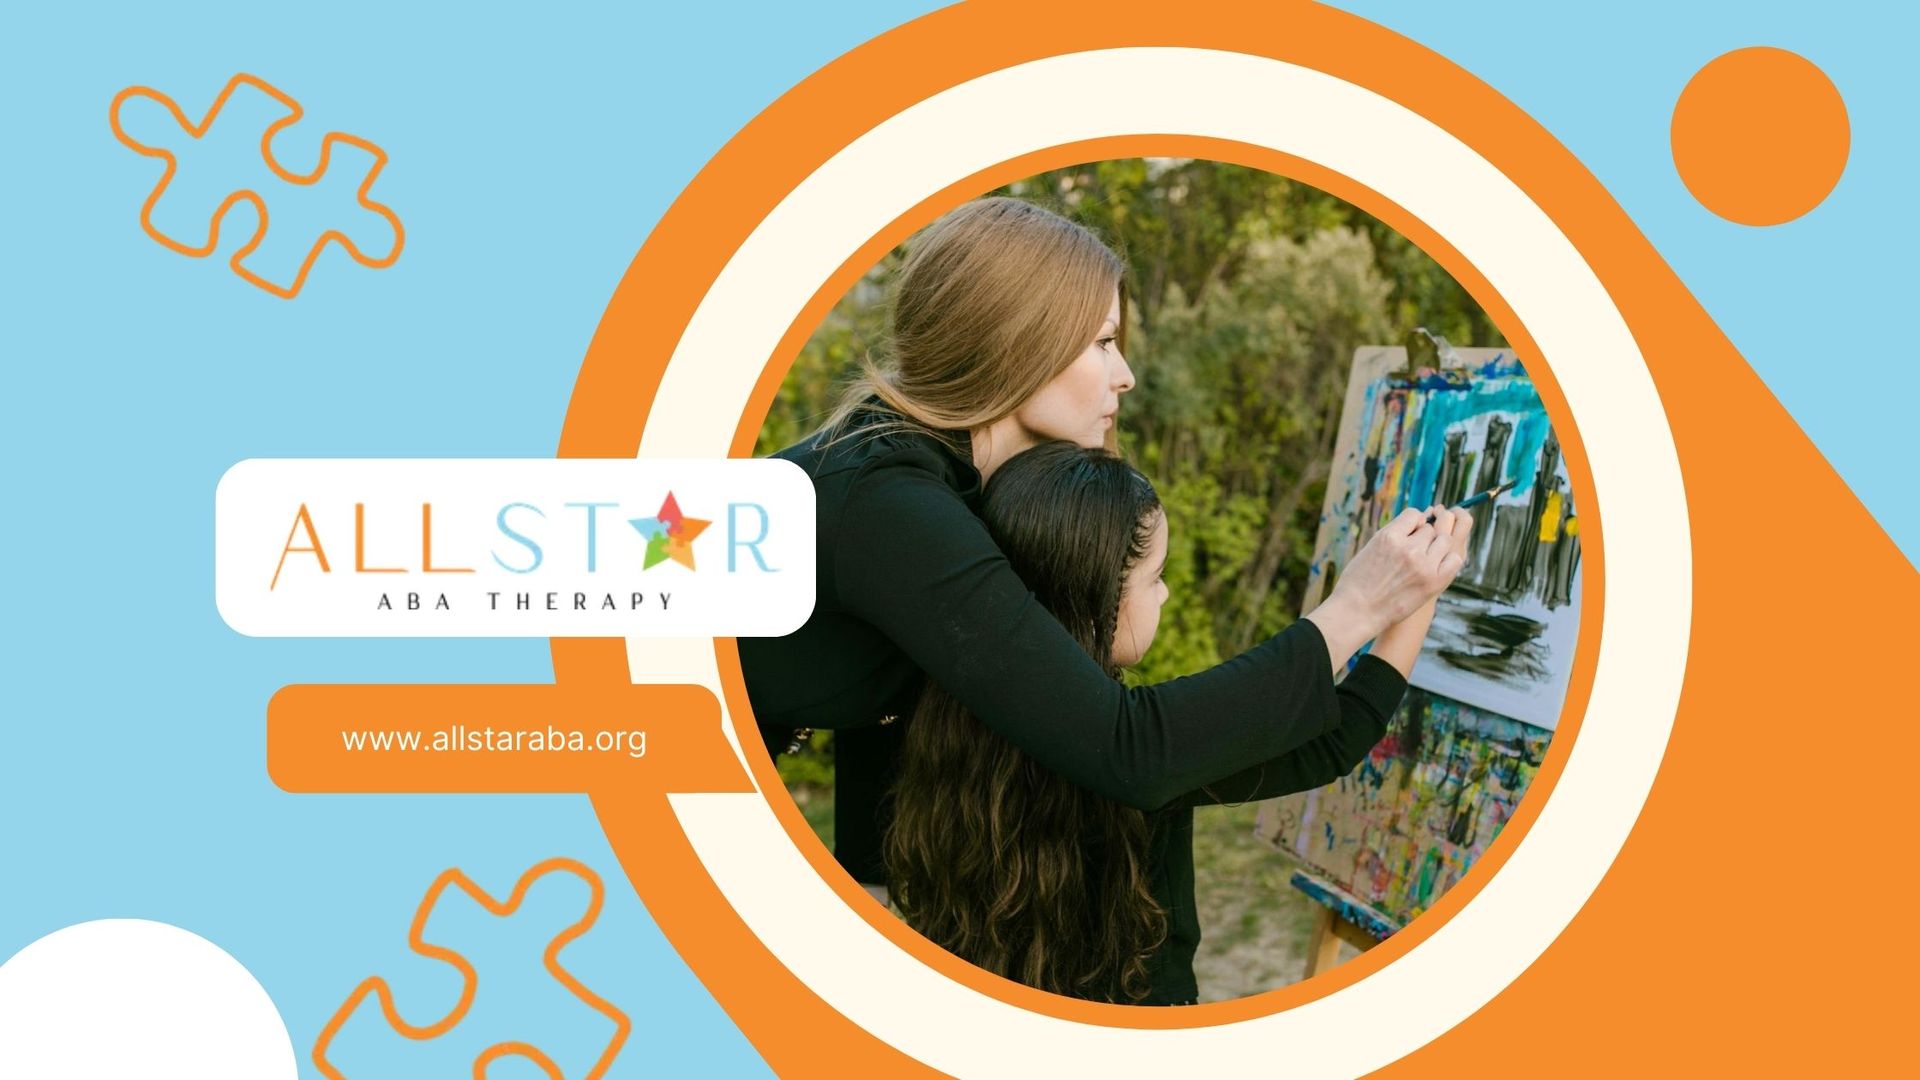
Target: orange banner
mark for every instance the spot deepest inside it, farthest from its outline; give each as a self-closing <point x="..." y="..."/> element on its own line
<point x="522" y="738"/>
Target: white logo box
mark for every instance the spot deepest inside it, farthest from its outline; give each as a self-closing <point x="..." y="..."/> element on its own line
<point x="753" y="573"/>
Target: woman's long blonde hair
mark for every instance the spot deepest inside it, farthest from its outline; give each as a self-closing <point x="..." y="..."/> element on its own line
<point x="994" y="300"/>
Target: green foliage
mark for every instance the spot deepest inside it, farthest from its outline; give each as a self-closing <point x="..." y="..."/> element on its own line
<point x="1247" y="295"/>
<point x="853" y="332"/>
<point x="811" y="767"/>
<point x="808" y="776"/>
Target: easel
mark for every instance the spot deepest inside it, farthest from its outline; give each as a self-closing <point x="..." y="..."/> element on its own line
<point x="1342" y="917"/>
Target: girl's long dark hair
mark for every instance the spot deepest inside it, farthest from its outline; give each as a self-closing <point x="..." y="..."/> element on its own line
<point x="989" y="855"/>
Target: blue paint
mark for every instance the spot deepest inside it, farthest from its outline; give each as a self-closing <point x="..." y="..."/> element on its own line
<point x="1503" y="366"/>
<point x="1429" y="379"/>
<point x="1523" y="451"/>
<point x="1441" y="410"/>
<point x="1345" y="905"/>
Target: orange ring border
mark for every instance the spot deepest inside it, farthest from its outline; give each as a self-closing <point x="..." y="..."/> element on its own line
<point x="1585" y="652"/>
<point x="749" y="176"/>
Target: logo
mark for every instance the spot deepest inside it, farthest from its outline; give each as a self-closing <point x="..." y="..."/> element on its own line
<point x="514" y="548"/>
<point x="670" y="535"/>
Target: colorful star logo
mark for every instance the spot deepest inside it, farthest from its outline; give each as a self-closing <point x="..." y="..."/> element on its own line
<point x="669" y="535"/>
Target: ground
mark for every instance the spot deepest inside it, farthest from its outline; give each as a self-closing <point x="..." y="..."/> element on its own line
<point x="1254" y="927"/>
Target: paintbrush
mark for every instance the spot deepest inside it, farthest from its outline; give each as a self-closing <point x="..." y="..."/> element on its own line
<point x="1472" y="501"/>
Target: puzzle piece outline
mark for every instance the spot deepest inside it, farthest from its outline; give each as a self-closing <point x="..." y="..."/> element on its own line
<point x="470" y="980"/>
<point x="196" y="131"/>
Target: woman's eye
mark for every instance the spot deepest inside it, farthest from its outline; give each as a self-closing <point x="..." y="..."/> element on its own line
<point x="1105" y="343"/>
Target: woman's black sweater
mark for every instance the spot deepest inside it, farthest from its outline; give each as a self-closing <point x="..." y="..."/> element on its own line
<point x="910" y="585"/>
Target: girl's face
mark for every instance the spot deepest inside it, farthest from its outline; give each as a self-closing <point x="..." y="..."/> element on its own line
<point x="1141" y="596"/>
<point x="1079" y="404"/>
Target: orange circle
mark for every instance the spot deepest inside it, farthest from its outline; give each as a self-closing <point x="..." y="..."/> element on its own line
<point x="1760" y="136"/>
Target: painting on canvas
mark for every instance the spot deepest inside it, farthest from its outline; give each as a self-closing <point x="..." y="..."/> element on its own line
<point x="1410" y="821"/>
<point x="1504" y="633"/>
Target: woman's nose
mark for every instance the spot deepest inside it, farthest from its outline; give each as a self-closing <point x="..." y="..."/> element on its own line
<point x="1122" y="376"/>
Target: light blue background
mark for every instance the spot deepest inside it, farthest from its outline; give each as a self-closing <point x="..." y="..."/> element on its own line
<point x="531" y="155"/>
<point x="1819" y="306"/>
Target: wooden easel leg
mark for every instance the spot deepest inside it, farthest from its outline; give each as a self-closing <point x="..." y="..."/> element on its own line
<point x="1323" y="948"/>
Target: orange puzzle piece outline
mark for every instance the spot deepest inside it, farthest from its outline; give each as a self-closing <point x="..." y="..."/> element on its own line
<point x="470" y="979"/>
<point x="259" y="204"/>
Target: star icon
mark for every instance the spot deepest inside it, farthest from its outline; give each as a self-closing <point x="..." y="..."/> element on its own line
<point x="670" y="534"/>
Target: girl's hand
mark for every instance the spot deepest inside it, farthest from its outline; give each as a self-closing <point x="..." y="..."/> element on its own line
<point x="1400" y="643"/>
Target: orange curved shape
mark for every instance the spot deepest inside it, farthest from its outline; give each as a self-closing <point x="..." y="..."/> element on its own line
<point x="259" y="204"/>
<point x="1720" y="1009"/>
<point x="516" y="1049"/>
<point x="470" y="980"/>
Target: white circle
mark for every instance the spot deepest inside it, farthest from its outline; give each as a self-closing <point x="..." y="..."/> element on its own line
<point x="1493" y="224"/>
<point x="132" y="997"/>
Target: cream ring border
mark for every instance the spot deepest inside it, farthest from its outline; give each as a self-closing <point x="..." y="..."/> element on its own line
<point x="1636" y="474"/>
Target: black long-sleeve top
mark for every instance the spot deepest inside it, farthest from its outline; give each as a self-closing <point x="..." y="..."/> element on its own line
<point x="910" y="585"/>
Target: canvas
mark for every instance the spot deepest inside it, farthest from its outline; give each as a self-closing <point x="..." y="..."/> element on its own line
<point x="1504" y="633"/>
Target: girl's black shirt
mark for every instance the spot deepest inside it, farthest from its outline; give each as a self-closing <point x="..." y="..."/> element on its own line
<point x="910" y="585"/>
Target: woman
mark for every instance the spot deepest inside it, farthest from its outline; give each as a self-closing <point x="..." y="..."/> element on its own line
<point x="1005" y="331"/>
<point x="1014" y="869"/>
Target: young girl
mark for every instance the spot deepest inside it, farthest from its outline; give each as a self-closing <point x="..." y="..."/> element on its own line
<point x="1018" y="871"/>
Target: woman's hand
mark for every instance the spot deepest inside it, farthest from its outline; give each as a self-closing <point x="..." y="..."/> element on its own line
<point x="1404" y="566"/>
<point x="1407" y="563"/>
